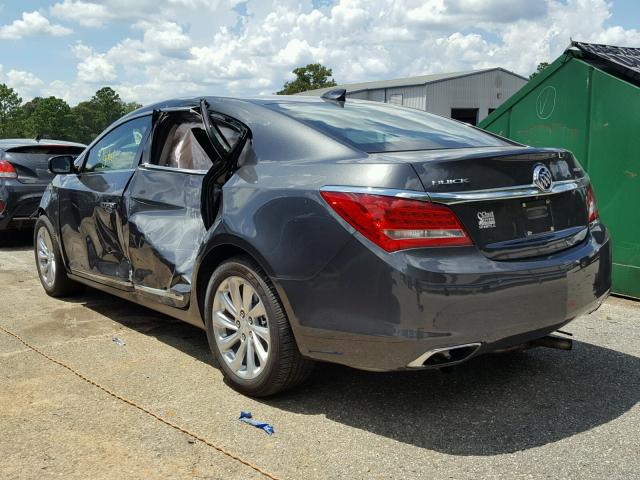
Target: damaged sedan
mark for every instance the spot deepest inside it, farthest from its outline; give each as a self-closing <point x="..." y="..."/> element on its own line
<point x="299" y="229"/>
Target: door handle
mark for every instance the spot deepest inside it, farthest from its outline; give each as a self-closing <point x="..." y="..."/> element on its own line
<point x="109" y="206"/>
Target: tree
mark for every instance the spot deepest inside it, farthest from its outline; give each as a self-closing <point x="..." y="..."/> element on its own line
<point x="540" y="68"/>
<point x="85" y="123"/>
<point x="52" y="117"/>
<point x="93" y="116"/>
<point x="9" y="107"/>
<point x="131" y="106"/>
<point x="310" y="77"/>
<point x="108" y="106"/>
<point x="46" y="117"/>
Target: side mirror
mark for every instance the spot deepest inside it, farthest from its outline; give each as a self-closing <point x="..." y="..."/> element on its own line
<point x="61" y="164"/>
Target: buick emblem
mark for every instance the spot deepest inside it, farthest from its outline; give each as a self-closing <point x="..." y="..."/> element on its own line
<point x="542" y="178"/>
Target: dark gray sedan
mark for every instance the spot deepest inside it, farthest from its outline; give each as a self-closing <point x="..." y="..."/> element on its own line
<point x="24" y="175"/>
<point x="295" y="229"/>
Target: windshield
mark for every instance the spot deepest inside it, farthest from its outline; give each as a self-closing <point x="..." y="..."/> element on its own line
<point x="379" y="127"/>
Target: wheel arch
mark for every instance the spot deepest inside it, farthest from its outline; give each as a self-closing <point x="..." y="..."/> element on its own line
<point x="225" y="249"/>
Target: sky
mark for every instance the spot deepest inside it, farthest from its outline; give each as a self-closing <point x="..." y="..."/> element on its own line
<point x="149" y="50"/>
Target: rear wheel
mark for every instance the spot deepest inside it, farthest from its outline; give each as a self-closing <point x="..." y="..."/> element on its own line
<point x="249" y="333"/>
<point x="51" y="272"/>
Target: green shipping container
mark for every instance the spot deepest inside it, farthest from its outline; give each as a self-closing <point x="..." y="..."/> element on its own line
<point x="588" y="101"/>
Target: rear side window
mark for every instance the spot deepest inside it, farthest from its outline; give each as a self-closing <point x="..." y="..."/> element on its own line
<point x="118" y="149"/>
<point x="185" y="146"/>
<point x="181" y="141"/>
<point x="378" y="127"/>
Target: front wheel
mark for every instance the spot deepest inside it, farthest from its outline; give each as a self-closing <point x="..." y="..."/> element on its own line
<point x="249" y="333"/>
<point x="51" y="272"/>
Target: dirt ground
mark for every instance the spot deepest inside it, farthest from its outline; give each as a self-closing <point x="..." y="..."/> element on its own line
<point x="540" y="414"/>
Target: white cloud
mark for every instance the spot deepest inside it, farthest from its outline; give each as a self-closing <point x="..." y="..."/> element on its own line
<point x="94" y="67"/>
<point x="25" y="83"/>
<point x="188" y="47"/>
<point x="82" y="51"/>
<point x="208" y="13"/>
<point x="88" y="14"/>
<point x="167" y="38"/>
<point x="32" y="23"/>
<point x="19" y="78"/>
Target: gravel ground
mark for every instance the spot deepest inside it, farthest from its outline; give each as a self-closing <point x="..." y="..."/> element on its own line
<point x="540" y="414"/>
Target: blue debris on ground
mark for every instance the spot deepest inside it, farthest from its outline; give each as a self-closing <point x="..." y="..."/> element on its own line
<point x="246" y="417"/>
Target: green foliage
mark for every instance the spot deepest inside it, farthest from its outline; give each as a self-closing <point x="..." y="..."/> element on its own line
<point x="310" y="77"/>
<point x="541" y="67"/>
<point x="131" y="106"/>
<point x="9" y="106"/>
<point x="47" y="117"/>
<point x="53" y="118"/>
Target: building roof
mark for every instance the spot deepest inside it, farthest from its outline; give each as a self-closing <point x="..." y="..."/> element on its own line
<point x="620" y="61"/>
<point x="405" y="82"/>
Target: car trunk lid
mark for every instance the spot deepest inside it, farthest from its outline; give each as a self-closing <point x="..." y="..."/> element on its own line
<point x="492" y="192"/>
<point x="32" y="161"/>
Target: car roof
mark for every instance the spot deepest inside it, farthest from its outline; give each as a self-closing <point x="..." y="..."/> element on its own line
<point x="7" y="143"/>
<point x="195" y="101"/>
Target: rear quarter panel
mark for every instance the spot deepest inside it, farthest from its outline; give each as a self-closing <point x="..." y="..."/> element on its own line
<point x="277" y="209"/>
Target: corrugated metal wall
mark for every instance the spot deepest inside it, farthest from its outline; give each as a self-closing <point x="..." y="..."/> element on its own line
<point x="373" y="95"/>
<point x="413" y="97"/>
<point x="376" y="95"/>
<point x="482" y="91"/>
<point x="359" y="95"/>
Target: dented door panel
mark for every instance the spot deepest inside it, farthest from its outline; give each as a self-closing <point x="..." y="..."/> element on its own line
<point x="165" y="231"/>
<point x="91" y="223"/>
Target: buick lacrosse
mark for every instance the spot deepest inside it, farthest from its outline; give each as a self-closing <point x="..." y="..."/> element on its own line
<point x="299" y="229"/>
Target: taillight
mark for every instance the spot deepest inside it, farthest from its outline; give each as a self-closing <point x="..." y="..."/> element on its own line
<point x="592" y="208"/>
<point x="397" y="223"/>
<point x="7" y="170"/>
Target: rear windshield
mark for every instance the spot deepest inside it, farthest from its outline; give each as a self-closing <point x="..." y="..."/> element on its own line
<point x="48" y="150"/>
<point x="378" y="127"/>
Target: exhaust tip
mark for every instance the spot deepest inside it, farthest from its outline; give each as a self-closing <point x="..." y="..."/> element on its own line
<point x="440" y="357"/>
<point x="551" y="341"/>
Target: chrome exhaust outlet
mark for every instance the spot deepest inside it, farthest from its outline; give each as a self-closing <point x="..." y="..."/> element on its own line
<point x="553" y="342"/>
<point x="441" y="357"/>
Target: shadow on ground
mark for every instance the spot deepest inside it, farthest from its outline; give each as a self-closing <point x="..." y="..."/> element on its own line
<point x="180" y="335"/>
<point x="491" y="405"/>
<point x="16" y="239"/>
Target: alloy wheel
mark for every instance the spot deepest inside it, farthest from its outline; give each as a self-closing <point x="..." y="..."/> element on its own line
<point x="46" y="257"/>
<point x="241" y="327"/>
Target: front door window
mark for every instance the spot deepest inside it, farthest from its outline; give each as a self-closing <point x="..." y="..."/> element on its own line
<point x="117" y="149"/>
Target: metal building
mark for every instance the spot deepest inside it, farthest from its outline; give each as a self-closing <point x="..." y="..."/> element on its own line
<point x="467" y="96"/>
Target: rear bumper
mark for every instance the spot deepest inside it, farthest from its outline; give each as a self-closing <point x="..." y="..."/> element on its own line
<point x="378" y="311"/>
<point x="21" y="203"/>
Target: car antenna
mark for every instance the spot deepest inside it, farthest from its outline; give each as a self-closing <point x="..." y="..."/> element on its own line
<point x="337" y="95"/>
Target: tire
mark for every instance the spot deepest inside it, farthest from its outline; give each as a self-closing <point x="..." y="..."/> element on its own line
<point x="263" y="327"/>
<point x="54" y="279"/>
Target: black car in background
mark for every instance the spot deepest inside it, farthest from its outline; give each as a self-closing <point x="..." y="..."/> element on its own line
<point x="295" y="229"/>
<point x="24" y="175"/>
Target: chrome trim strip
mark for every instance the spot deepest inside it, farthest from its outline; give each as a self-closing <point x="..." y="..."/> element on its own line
<point x="158" y="292"/>
<point x="507" y="192"/>
<point x="387" y="192"/>
<point x="150" y="166"/>
<point x="418" y="362"/>
<point x="100" y="278"/>
<point x="502" y="193"/>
